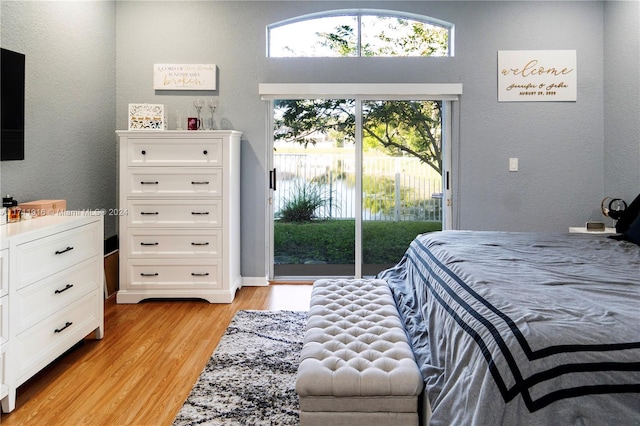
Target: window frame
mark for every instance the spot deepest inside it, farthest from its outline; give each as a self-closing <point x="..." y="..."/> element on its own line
<point x="448" y="93"/>
<point x="358" y="13"/>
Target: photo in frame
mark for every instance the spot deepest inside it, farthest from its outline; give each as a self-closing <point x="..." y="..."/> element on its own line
<point x="147" y="117"/>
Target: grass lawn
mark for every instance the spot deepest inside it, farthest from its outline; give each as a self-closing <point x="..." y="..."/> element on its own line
<point x="332" y="241"/>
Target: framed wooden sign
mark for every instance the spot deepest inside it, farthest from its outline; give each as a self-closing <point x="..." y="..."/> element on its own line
<point x="184" y="77"/>
<point x="537" y="75"/>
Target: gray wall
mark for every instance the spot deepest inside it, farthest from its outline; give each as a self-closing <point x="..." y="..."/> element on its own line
<point x="69" y="102"/>
<point x="570" y="157"/>
<point x="622" y="99"/>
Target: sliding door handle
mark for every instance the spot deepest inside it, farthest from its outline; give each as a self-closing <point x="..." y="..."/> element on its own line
<point x="272" y="179"/>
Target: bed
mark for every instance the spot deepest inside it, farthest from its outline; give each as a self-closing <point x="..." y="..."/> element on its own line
<point x="523" y="328"/>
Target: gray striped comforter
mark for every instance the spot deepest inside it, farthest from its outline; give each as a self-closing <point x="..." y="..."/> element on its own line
<point x="523" y="328"/>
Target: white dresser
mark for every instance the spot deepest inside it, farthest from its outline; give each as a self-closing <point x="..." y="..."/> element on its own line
<point x="52" y="292"/>
<point x="179" y="224"/>
<point x="4" y="328"/>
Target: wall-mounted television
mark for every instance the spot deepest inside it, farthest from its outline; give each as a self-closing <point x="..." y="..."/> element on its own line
<point x="12" y="66"/>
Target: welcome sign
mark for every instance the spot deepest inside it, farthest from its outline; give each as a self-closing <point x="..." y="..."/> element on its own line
<point x="184" y="77"/>
<point x="537" y="75"/>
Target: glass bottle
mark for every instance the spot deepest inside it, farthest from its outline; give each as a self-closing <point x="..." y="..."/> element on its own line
<point x="13" y="213"/>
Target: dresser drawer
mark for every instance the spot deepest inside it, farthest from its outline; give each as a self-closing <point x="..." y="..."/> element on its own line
<point x="175" y="152"/>
<point x="4" y="320"/>
<point x="50" y="338"/>
<point x="152" y="243"/>
<point x="171" y="213"/>
<point x="43" y="298"/>
<point x="4" y="272"/>
<point x="174" y="182"/>
<point x="174" y="274"/>
<point x="46" y="256"/>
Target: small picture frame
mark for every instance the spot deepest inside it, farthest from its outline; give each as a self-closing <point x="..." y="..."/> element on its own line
<point x="147" y="117"/>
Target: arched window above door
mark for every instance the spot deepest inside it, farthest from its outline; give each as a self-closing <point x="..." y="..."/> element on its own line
<point x="353" y="33"/>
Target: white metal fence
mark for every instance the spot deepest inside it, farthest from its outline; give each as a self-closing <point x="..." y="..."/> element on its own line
<point x="394" y="188"/>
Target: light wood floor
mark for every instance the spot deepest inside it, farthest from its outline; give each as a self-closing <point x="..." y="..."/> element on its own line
<point x="142" y="371"/>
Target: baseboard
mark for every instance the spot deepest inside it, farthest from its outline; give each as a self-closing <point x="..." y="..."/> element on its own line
<point x="254" y="282"/>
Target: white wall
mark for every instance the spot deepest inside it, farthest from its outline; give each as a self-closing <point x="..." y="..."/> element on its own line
<point x="101" y="56"/>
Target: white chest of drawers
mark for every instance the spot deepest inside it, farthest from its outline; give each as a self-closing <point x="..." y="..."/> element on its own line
<point x="179" y="208"/>
<point x="52" y="292"/>
<point x="4" y="329"/>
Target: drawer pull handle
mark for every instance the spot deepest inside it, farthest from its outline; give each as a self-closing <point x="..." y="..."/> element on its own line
<point x="66" y="325"/>
<point x="148" y="244"/>
<point x="155" y="274"/>
<point x="205" y="152"/>
<point x="149" y="213"/>
<point x="67" y="287"/>
<point x="200" y="244"/>
<point x="200" y="183"/>
<point x="144" y="152"/>
<point x="64" y="251"/>
<point x="202" y="213"/>
<point x="148" y="183"/>
<point x="194" y="274"/>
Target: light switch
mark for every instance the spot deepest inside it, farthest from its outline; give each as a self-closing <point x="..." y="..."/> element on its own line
<point x="513" y="164"/>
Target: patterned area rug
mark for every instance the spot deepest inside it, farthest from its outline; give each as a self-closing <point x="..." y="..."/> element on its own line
<point x="250" y="378"/>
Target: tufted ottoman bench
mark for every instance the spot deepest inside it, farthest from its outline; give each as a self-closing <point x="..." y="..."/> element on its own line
<point x="356" y="365"/>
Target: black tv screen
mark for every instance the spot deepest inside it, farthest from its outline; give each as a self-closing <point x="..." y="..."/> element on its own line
<point x="12" y="65"/>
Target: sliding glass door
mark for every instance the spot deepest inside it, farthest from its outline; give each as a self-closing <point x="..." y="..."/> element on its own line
<point x="353" y="181"/>
<point x="401" y="178"/>
<point x="314" y="176"/>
